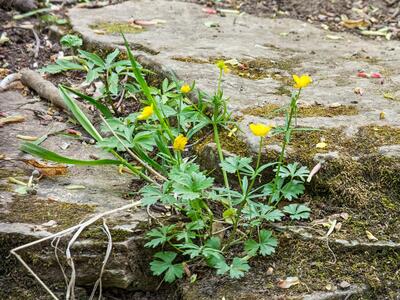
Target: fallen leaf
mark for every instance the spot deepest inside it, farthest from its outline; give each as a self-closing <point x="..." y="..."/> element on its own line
<point x="359" y="91"/>
<point x="229" y="11"/>
<point x="74" y="132"/>
<point x="75" y="187"/>
<point x="147" y="22"/>
<point x="50" y="223"/>
<point x="321" y="145"/>
<point x="376" y="75"/>
<point x="325" y="27"/>
<point x="210" y="11"/>
<point x="288" y="282"/>
<point x="3" y="38"/>
<point x="370" y="236"/>
<point x="351" y="24"/>
<point x="331" y="228"/>
<point x="381" y="115"/>
<point x="344" y="216"/>
<point x="334" y="37"/>
<point x="314" y="171"/>
<point x="362" y="74"/>
<point x="233" y="62"/>
<point x="335" y="105"/>
<point x="26" y="137"/>
<point x="211" y="24"/>
<point x="344" y="285"/>
<point x="47" y="170"/>
<point x="11" y="119"/>
<point x="389" y="96"/>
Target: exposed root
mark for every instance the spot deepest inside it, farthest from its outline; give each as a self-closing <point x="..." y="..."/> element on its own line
<point x="78" y="230"/>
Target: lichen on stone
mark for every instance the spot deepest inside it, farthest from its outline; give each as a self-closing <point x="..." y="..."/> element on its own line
<point x="274" y="110"/>
<point x="117" y="28"/>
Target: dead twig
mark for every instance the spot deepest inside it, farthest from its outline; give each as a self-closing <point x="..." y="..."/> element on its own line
<point x="37" y="46"/>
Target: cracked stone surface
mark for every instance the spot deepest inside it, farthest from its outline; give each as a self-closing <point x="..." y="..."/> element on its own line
<point x="271" y="50"/>
<point x="54" y="207"/>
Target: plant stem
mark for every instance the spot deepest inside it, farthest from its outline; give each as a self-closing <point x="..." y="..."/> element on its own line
<point x="243" y="203"/>
<point x="292" y="111"/>
<point x="220" y="155"/>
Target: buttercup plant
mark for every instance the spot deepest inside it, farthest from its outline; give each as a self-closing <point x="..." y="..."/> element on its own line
<point x="222" y="227"/>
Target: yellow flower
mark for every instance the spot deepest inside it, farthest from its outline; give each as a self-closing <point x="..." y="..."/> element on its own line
<point x="222" y="66"/>
<point x="146" y="113"/>
<point x="185" y="89"/>
<point x="260" y="129"/>
<point x="180" y="142"/>
<point x="302" y="81"/>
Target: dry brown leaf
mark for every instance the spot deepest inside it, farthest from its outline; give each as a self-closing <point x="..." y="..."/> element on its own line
<point x="351" y="24"/>
<point x="47" y="170"/>
<point x="11" y="119"/>
<point x="26" y="137"/>
<point x="370" y="236"/>
<point x="288" y="282"/>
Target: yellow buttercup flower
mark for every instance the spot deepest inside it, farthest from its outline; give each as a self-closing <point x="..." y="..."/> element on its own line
<point x="180" y="142"/>
<point x="222" y="66"/>
<point x="302" y="81"/>
<point x="146" y="113"/>
<point x="260" y="129"/>
<point x="185" y="89"/>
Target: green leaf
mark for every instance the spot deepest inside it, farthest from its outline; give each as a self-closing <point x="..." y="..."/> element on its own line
<point x="113" y="83"/>
<point x="294" y="170"/>
<point x="266" y="245"/>
<point x="110" y="57"/>
<point x="164" y="265"/>
<point x="159" y="236"/>
<point x="71" y="41"/>
<point x="238" y="268"/>
<point x="43" y="153"/>
<point x="79" y="115"/>
<point x="152" y="194"/>
<point x="297" y="211"/>
<point x="138" y="75"/>
<point x="233" y="164"/>
<point x="94" y="58"/>
<point x="293" y="189"/>
<point x="100" y="106"/>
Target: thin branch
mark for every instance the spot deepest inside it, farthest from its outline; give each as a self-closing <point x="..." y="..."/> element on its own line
<point x="37" y="47"/>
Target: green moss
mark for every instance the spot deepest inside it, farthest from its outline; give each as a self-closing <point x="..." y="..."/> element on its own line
<point x="230" y="143"/>
<point x="376" y="269"/>
<point x="117" y="28"/>
<point x="273" y="110"/>
<point x="96" y="233"/>
<point x="257" y="68"/>
<point x="38" y="211"/>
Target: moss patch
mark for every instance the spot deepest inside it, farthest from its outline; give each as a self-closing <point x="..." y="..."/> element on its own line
<point x="38" y="211"/>
<point x="229" y="143"/>
<point x="257" y="68"/>
<point x="116" y="28"/>
<point x="376" y="269"/>
<point x="274" y="110"/>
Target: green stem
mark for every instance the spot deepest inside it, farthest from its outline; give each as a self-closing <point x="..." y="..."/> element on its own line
<point x="286" y="140"/>
<point x="220" y="155"/>
<point x="244" y="201"/>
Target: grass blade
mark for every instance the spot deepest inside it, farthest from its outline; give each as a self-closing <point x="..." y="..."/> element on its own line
<point x="43" y="153"/>
<point x="100" y="106"/>
<point x="79" y="115"/>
